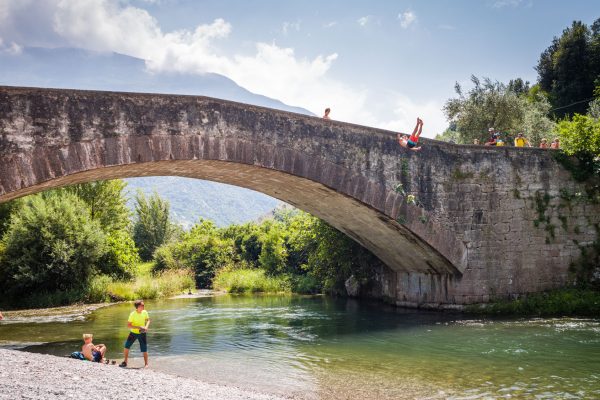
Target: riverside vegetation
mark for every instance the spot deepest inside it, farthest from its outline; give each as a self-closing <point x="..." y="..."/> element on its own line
<point x="83" y="244"/>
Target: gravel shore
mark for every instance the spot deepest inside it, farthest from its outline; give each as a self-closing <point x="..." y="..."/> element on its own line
<point x="39" y="376"/>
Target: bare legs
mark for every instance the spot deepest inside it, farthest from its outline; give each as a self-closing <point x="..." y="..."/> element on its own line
<point x="125" y="355"/>
<point x="416" y="127"/>
<point x="419" y="126"/>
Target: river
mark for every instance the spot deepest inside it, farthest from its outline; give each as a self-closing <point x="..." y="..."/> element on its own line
<point x="319" y="347"/>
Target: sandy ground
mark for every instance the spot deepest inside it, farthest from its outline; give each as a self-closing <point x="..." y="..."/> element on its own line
<point x="39" y="376"/>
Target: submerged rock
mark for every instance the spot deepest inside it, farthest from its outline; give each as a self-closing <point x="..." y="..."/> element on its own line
<point x="352" y="286"/>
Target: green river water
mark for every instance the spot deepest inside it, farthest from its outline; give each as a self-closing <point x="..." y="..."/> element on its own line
<point x="319" y="347"/>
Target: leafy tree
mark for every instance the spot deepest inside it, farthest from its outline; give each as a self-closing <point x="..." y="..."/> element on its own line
<point x="152" y="227"/>
<point x="337" y="257"/>
<point x="536" y="124"/>
<point x="52" y="244"/>
<point x="106" y="201"/>
<point x="273" y="255"/>
<point x="247" y="242"/>
<point x="121" y="255"/>
<point x="569" y="69"/>
<point x="6" y="210"/>
<point x="202" y="250"/>
<point x="508" y="108"/>
<point x="580" y="135"/>
<point x="107" y="204"/>
<point x="594" y="109"/>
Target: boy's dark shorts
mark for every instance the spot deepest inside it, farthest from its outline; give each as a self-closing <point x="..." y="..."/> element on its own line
<point x="137" y="336"/>
<point x="96" y="356"/>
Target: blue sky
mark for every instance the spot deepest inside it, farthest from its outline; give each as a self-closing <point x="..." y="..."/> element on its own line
<point x="380" y="63"/>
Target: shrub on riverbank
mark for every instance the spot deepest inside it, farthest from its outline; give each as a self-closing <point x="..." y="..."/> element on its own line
<point x="581" y="302"/>
<point x="250" y="281"/>
<point x="104" y="288"/>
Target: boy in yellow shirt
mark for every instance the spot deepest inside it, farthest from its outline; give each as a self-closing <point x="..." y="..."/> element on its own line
<point x="138" y="323"/>
<point x="520" y="141"/>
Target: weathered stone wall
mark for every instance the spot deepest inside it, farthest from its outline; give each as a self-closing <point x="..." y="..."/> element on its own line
<point x="518" y="213"/>
<point x="470" y="237"/>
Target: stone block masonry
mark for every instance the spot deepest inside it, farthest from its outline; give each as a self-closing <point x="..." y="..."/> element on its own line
<point x="485" y="223"/>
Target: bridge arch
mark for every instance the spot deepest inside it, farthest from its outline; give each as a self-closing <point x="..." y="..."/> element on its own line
<point x="333" y="170"/>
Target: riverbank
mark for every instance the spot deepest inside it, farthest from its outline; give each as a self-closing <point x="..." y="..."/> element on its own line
<point x="65" y="313"/>
<point x="40" y="376"/>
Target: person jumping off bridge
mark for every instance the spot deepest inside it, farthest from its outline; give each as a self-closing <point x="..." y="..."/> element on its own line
<point x="412" y="141"/>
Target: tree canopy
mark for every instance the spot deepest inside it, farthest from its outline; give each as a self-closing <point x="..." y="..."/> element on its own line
<point x="508" y="108"/>
<point x="569" y="69"/>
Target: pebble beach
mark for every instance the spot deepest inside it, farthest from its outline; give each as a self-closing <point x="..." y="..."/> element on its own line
<point x="26" y="375"/>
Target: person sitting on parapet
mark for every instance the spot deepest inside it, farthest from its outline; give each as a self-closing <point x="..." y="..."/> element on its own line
<point x="493" y="139"/>
<point x="93" y="352"/>
<point x="326" y="115"/>
<point x="412" y="141"/>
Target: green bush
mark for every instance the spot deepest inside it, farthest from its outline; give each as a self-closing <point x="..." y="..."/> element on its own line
<point x="202" y="250"/>
<point x="103" y="288"/>
<point x="51" y="245"/>
<point x="306" y="284"/>
<point x="97" y="289"/>
<point x="250" y="281"/>
<point x="121" y="256"/>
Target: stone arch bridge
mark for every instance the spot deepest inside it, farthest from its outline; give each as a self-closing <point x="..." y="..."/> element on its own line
<point x="471" y="234"/>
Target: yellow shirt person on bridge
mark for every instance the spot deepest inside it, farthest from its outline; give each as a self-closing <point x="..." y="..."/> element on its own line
<point x="520" y="141"/>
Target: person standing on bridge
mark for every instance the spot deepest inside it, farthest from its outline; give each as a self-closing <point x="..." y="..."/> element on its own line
<point x="412" y="141"/>
<point x="326" y="115"/>
<point x="520" y="141"/>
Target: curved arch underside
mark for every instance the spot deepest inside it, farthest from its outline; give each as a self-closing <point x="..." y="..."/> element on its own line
<point x="394" y="244"/>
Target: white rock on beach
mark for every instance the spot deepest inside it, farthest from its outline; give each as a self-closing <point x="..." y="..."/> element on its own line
<point x="39" y="376"/>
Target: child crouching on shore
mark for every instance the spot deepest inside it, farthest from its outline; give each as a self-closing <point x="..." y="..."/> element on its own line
<point x="93" y="352"/>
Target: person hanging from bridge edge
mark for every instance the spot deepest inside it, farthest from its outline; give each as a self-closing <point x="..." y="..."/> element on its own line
<point x="412" y="141"/>
<point x="326" y="115"/>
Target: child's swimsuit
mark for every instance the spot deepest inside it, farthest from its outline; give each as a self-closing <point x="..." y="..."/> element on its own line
<point x="96" y="356"/>
<point x="412" y="141"/>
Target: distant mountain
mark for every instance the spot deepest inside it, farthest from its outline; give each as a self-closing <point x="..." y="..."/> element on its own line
<point x="82" y="69"/>
<point x="190" y="199"/>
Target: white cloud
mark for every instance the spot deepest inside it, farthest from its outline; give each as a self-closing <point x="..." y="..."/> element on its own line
<point x="330" y="24"/>
<point x="364" y="21"/>
<point x="288" y="26"/>
<point x="270" y="70"/>
<point x="407" y="18"/>
<point x="11" y="48"/>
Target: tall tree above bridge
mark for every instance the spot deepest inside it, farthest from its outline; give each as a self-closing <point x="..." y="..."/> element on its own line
<point x="569" y="69"/>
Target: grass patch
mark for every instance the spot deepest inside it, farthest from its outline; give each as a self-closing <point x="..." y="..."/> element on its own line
<point x="555" y="303"/>
<point x="250" y="281"/>
<point x="169" y="283"/>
